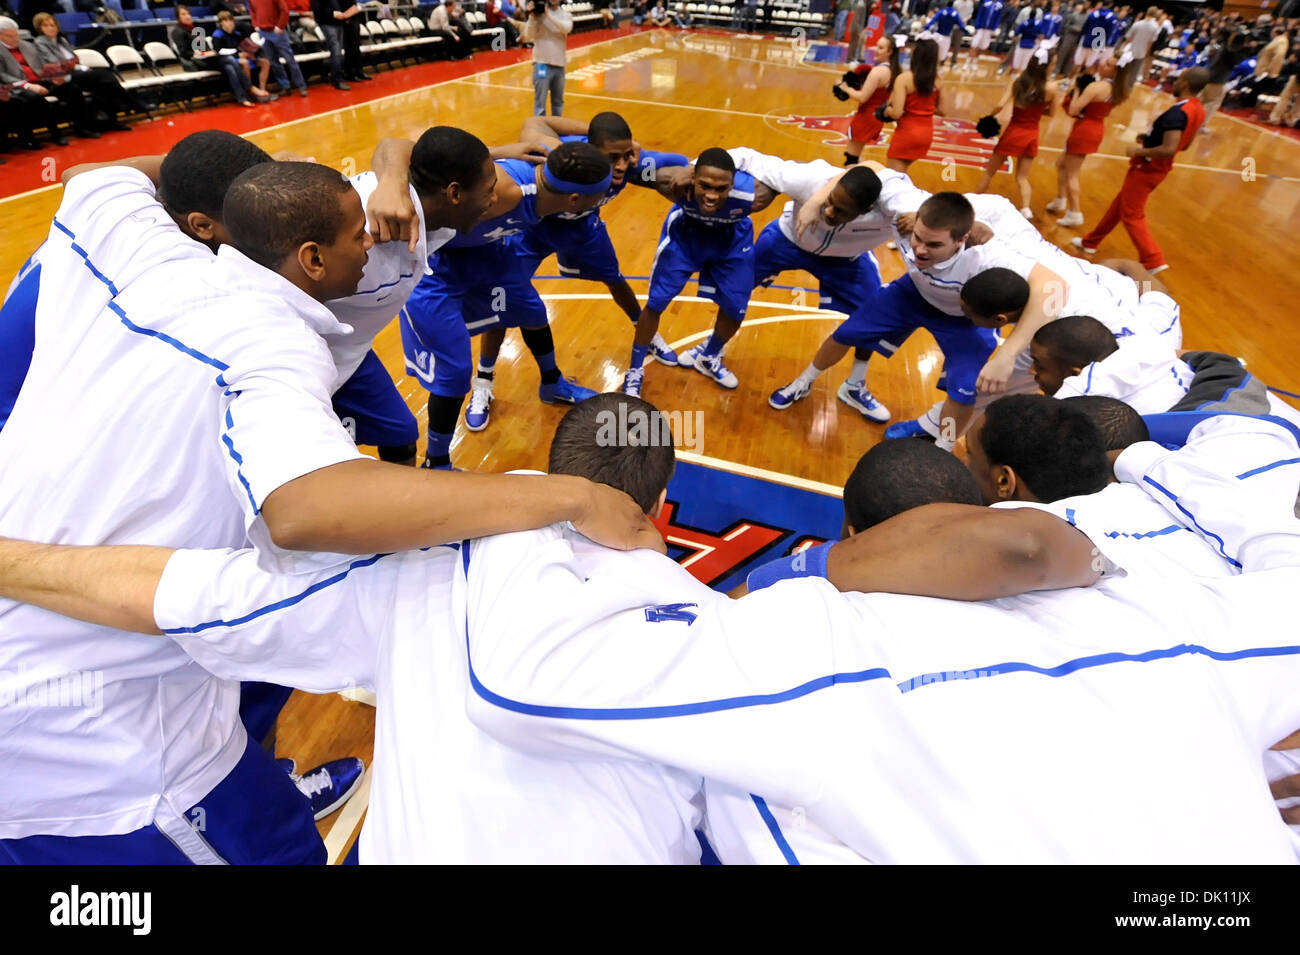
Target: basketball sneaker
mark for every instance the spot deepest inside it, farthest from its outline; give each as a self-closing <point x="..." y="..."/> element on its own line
<point x="783" y="398"/>
<point x="660" y="351"/>
<point x="1077" y="242"/>
<point x="1071" y="219"/>
<point x="290" y="766"/>
<point x="632" y="382"/>
<point x="863" y="401"/>
<point x="710" y="366"/>
<point x="330" y="785"/>
<point x="1057" y="205"/>
<point x="479" y="411"/>
<point x="564" y="391"/>
<point x="907" y="429"/>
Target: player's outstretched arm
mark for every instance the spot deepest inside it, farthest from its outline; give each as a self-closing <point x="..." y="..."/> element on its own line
<point x="151" y="166"/>
<point x="112" y="586"/>
<point x="1047" y="294"/>
<point x="367" y="506"/>
<point x="551" y="127"/>
<point x="964" y="552"/>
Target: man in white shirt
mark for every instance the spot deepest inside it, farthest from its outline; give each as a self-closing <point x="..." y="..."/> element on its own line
<point x="856" y="214"/>
<point x="548" y="30"/>
<point x="312" y="624"/>
<point x="943" y="707"/>
<point x="223" y="366"/>
<point x="1078" y="355"/>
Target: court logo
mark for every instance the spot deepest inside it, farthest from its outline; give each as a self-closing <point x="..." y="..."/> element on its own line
<point x="130" y="909"/>
<point x="638" y="428"/>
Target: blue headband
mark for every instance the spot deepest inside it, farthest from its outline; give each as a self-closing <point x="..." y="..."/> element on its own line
<point x="581" y="188"/>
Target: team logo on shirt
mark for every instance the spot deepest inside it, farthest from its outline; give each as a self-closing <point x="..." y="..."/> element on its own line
<point x="955" y="140"/>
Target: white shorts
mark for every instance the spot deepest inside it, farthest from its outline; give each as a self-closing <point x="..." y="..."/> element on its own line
<point x="1085" y="55"/>
<point x="945" y="43"/>
<point x="1161" y="314"/>
<point x="981" y="40"/>
<point x="1020" y="59"/>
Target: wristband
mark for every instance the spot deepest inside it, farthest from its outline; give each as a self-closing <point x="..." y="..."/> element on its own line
<point x="806" y="563"/>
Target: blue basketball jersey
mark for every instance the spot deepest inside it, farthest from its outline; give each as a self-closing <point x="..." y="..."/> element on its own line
<point x="737" y="208"/>
<point x="510" y="223"/>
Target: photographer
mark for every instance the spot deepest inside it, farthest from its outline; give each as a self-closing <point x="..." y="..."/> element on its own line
<point x="548" y="26"/>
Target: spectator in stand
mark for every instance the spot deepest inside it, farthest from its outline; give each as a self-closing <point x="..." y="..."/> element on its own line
<point x="498" y="17"/>
<point x="441" y="24"/>
<point x="1286" y="112"/>
<point x="335" y="19"/>
<point x="893" y="19"/>
<point x="239" y="56"/>
<point x="1231" y="47"/>
<point x="659" y="16"/>
<point x="683" y="19"/>
<point x="271" y="20"/>
<point x="746" y="15"/>
<point x="186" y="39"/>
<point x="549" y="32"/>
<point x="842" y="10"/>
<point x="1142" y="38"/>
<point x="101" y="86"/>
<point x="1071" y="27"/>
<point x="1267" y="78"/>
<point x="606" y="14"/>
<point x="20" y="69"/>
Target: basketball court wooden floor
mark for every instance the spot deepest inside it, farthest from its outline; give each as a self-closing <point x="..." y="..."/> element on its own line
<point x="1227" y="217"/>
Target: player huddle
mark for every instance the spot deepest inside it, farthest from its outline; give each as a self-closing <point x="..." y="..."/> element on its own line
<point x="952" y="681"/>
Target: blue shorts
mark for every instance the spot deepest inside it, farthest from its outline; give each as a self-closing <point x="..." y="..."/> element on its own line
<point x="372" y="409"/>
<point x="17" y="339"/>
<point x="254" y="816"/>
<point x="845" y="285"/>
<point x="897" y="310"/>
<point x="723" y="255"/>
<point x="582" y="248"/>
<point x="470" y="291"/>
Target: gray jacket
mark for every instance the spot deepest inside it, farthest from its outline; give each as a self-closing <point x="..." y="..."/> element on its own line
<point x="54" y="51"/>
<point x="10" y="71"/>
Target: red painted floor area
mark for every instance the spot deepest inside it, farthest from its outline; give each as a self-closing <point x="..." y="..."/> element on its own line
<point x="24" y="171"/>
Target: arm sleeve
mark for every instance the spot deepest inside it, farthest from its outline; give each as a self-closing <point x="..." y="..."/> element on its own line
<point x="592" y="668"/>
<point x="277" y="421"/>
<point x="310" y="625"/>
<point x="1252" y="530"/>
<point x="798" y="180"/>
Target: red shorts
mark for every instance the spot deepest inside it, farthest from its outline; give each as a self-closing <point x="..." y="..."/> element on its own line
<point x="912" y="138"/>
<point x="1085" y="137"/>
<point x="1018" y="142"/>
<point x="865" y="128"/>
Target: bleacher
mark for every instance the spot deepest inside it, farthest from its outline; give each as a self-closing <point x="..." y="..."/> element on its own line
<point x="774" y="16"/>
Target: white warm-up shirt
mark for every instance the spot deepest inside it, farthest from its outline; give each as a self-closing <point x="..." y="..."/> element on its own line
<point x="442" y="791"/>
<point x="165" y="418"/>
<point x="897" y="725"/>
<point x="392" y="272"/>
<point x="1144" y="373"/>
<point x="800" y="180"/>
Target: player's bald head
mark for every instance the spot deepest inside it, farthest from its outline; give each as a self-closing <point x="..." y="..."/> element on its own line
<point x="896" y="476"/>
<point x="616" y="440"/>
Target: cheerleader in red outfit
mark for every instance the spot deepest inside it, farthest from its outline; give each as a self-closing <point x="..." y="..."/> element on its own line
<point x="865" y="127"/>
<point x="1030" y="97"/>
<point x="1089" y="102"/>
<point x="914" y="102"/>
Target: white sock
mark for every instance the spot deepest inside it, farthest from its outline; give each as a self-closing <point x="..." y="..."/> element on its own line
<point x="808" y="375"/>
<point x="858" y="376"/>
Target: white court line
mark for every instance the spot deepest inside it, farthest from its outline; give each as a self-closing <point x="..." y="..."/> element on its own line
<point x="774" y="476"/>
<point x="336" y="843"/>
<point x="372" y="102"/>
